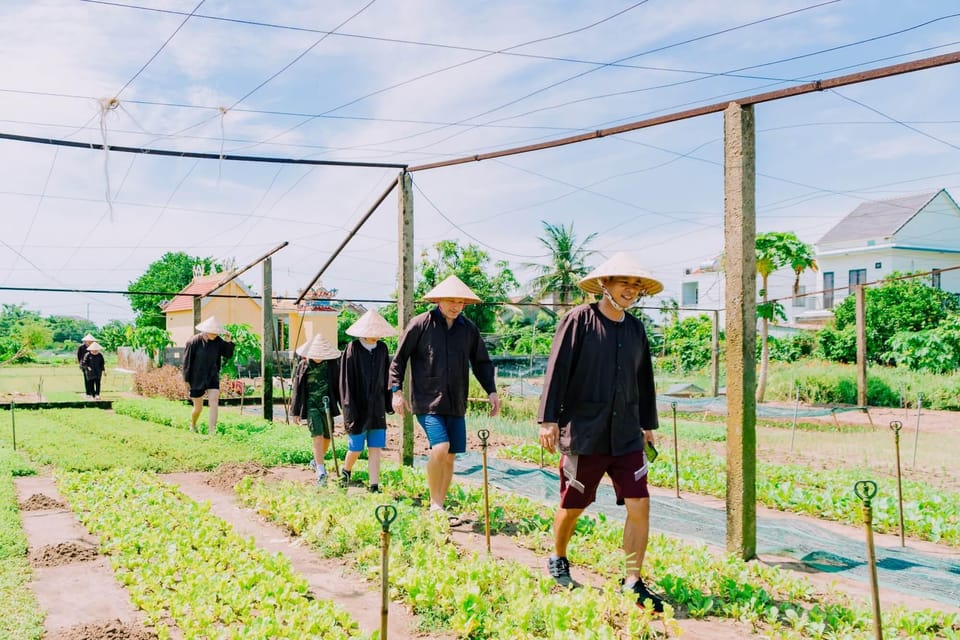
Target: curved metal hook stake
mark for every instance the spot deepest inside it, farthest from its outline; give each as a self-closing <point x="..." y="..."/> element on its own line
<point x="896" y="425"/>
<point x="386" y="514"/>
<point x="326" y="402"/>
<point x="483" y="434"/>
<point x="865" y="489"/>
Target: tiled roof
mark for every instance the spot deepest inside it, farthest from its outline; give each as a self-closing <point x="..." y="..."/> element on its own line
<point x="202" y="286"/>
<point x="880" y="219"/>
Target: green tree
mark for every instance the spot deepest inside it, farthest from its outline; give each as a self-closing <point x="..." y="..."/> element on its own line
<point x="69" y="329"/>
<point x="559" y="278"/>
<point x="163" y="279"/>
<point x="492" y="283"/>
<point x="898" y="304"/>
<point x="22" y="333"/>
<point x="688" y="344"/>
<point x="521" y="337"/>
<point x="152" y="340"/>
<point x="344" y="320"/>
<point x="115" y="334"/>
<point x="247" y="347"/>
<point x="775" y="250"/>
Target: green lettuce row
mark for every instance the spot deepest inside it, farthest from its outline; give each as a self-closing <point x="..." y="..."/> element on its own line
<point x="21" y="618"/>
<point x="467" y="593"/>
<point x="181" y="563"/>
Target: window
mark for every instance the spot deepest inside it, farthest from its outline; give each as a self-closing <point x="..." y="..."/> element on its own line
<point x="690" y="294"/>
<point x="935" y="278"/>
<point x="828" y="289"/>
<point x="857" y="276"/>
<point x="800" y="300"/>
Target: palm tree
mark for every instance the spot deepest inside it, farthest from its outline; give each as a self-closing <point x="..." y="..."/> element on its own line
<point x="567" y="266"/>
<point x="775" y="250"/>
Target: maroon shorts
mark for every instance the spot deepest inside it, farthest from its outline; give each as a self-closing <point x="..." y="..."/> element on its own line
<point x="580" y="476"/>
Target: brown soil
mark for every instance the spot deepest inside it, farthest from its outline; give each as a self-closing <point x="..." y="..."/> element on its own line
<point x="228" y="474"/>
<point x="930" y="421"/>
<point x="111" y="630"/>
<point x="40" y="502"/>
<point x="55" y="555"/>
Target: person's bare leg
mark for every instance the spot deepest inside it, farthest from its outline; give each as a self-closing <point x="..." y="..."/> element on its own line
<point x="350" y="460"/>
<point x="373" y="465"/>
<point x="447" y="474"/>
<point x="213" y="399"/>
<point x="197" y="408"/>
<point x="564" y="522"/>
<point x="636" y="532"/>
<point x="320" y="446"/>
<point x="436" y="468"/>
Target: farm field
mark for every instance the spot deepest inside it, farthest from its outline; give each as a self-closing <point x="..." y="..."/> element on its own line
<point x="197" y="529"/>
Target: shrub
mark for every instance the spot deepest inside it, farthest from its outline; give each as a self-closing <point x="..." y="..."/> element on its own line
<point x="165" y="382"/>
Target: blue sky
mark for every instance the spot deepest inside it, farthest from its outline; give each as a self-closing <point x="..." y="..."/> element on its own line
<point x="415" y="82"/>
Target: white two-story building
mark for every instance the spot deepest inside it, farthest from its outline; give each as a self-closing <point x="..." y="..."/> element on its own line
<point x="909" y="234"/>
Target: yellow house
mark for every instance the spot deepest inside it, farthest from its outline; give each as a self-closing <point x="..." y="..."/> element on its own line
<point x="239" y="308"/>
<point x="315" y="314"/>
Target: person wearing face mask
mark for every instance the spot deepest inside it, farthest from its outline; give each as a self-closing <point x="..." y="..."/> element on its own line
<point x="364" y="394"/>
<point x="599" y="408"/>
<point x="442" y="346"/>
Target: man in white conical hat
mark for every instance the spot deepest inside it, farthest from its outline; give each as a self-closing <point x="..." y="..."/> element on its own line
<point x="203" y="356"/>
<point x="82" y="351"/>
<point x="599" y="406"/>
<point x="365" y="395"/>
<point x="441" y="346"/>
<point x="317" y="377"/>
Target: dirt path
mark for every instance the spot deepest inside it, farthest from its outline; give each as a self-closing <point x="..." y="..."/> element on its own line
<point x="72" y="582"/>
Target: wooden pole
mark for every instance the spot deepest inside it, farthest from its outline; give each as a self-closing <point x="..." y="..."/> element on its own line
<point x="269" y="346"/>
<point x="740" y="234"/>
<point x="405" y="293"/>
<point x="196" y="312"/>
<point x="861" y="312"/>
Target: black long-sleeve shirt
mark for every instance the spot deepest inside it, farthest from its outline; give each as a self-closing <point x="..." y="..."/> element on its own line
<point x="599" y="385"/>
<point x="93" y="365"/>
<point x="440" y="360"/>
<point x="201" y="361"/>
<point x="364" y="388"/>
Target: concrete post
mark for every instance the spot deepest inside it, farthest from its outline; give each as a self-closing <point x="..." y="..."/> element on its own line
<point x="269" y="344"/>
<point x="741" y="327"/>
<point x="861" y="315"/>
<point x="405" y="292"/>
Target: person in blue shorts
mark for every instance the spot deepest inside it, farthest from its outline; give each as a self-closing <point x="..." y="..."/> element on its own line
<point x="364" y="394"/>
<point x="441" y="346"/>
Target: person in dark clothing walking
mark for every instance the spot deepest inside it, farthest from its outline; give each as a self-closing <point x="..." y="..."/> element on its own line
<point x="85" y="342"/>
<point x="441" y="345"/>
<point x="317" y="377"/>
<point x="94" y="369"/>
<point x="364" y="394"/>
<point x="599" y="406"/>
<point x="203" y="356"/>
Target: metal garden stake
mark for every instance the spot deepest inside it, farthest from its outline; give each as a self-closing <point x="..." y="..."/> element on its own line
<point x="333" y="446"/>
<point x="896" y="426"/>
<point x="13" y="424"/>
<point x="483" y="434"/>
<point x="385" y="513"/>
<point x="916" y="436"/>
<point x="796" y="410"/>
<point x="676" y="451"/>
<point x="866" y="490"/>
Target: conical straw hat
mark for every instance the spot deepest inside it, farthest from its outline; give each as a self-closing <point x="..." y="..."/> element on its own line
<point x="451" y="288"/>
<point x="88" y="338"/>
<point x="94" y="346"/>
<point x="318" y="348"/>
<point x="621" y="264"/>
<point x="371" y="325"/>
<point x="211" y="325"/>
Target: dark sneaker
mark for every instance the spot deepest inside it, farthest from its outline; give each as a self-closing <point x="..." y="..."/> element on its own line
<point x="644" y="594"/>
<point x="344" y="478"/>
<point x="559" y="569"/>
<point x="374" y="488"/>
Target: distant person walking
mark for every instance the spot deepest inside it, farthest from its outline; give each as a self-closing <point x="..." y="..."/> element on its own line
<point x="317" y="376"/>
<point x="85" y="342"/>
<point x="599" y="407"/>
<point x="441" y="346"/>
<point x="364" y="394"/>
<point x="203" y="356"/>
<point x="94" y="369"/>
